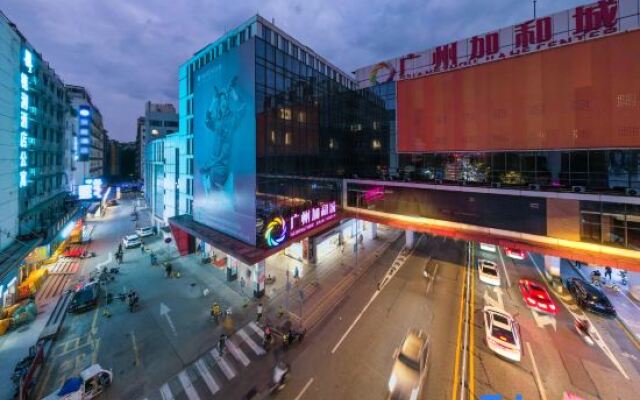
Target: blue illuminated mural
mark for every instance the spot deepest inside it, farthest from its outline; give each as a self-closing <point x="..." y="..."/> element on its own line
<point x="225" y="144"/>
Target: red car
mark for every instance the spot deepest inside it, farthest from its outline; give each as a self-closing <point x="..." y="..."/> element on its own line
<point x="537" y="297"/>
<point x="514" y="253"/>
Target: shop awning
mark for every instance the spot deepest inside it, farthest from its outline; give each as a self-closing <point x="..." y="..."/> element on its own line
<point x="14" y="254"/>
<point x="243" y="252"/>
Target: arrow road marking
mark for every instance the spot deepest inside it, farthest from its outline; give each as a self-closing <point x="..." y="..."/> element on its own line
<point x="489" y="300"/>
<point x="164" y="312"/>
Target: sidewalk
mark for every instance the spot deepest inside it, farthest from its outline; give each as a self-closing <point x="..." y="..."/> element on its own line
<point x="628" y="310"/>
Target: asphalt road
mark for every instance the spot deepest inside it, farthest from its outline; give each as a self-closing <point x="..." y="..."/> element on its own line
<point x="360" y="366"/>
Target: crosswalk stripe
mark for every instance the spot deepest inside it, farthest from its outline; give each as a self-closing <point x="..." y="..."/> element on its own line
<point x="256" y="329"/>
<point x="224" y="365"/>
<point x="165" y="392"/>
<point x="237" y="353"/>
<point x="189" y="390"/>
<point x="254" y="346"/>
<point x="206" y="375"/>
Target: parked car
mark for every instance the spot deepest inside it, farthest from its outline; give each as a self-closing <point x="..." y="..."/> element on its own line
<point x="590" y="298"/>
<point x="502" y="333"/>
<point x="488" y="272"/>
<point x="146" y="231"/>
<point x="536" y="296"/>
<point x="84" y="298"/>
<point x="410" y="366"/>
<point x="488" y="247"/>
<point x="516" y="254"/>
<point x="131" y="241"/>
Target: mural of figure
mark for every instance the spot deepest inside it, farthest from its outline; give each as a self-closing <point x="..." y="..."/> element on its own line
<point x="223" y="118"/>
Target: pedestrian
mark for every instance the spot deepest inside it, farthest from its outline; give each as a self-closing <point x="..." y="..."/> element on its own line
<point x="259" y="313"/>
<point x="142" y="248"/>
<point x="167" y="269"/>
<point x="119" y="249"/>
<point x="361" y="241"/>
<point x="221" y="343"/>
<point x="607" y="272"/>
<point x="243" y="283"/>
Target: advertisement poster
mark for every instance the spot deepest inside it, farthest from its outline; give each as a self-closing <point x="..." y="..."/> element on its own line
<point x="225" y="144"/>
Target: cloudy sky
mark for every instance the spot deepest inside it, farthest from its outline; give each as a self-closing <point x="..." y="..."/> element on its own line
<point x="128" y="51"/>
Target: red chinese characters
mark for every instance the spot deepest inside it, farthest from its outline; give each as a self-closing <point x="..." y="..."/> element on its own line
<point x="482" y="46"/>
<point x="445" y="56"/>
<point x="596" y="16"/>
<point x="533" y="32"/>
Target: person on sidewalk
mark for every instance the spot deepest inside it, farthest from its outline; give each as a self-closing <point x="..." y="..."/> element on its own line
<point x="221" y="344"/>
<point x="168" y="269"/>
<point x="607" y="272"/>
<point x="259" y="313"/>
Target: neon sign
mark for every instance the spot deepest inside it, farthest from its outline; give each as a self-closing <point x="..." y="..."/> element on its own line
<point x="23" y="144"/>
<point x="311" y="218"/>
<point x="276" y="232"/>
<point x="278" y="229"/>
<point x="84" y="135"/>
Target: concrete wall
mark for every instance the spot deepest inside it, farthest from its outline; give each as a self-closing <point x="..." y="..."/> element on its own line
<point x="563" y="219"/>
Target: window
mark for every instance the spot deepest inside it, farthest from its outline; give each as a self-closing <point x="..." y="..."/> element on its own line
<point x="302" y="117"/>
<point x="285" y="113"/>
<point x="294" y="51"/>
<point x="266" y="34"/>
<point x="273" y="137"/>
<point x="288" y="139"/>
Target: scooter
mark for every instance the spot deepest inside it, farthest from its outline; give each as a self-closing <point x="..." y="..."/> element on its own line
<point x="584" y="330"/>
<point x="280" y="376"/>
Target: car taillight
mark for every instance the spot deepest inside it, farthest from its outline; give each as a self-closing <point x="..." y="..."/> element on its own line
<point x="552" y="306"/>
<point x="531" y="301"/>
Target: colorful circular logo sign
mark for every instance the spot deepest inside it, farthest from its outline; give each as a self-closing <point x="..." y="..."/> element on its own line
<point x="373" y="74"/>
<point x="276" y="232"/>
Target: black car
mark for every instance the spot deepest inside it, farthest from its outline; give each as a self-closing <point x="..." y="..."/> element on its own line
<point x="84" y="298"/>
<point x="590" y="298"/>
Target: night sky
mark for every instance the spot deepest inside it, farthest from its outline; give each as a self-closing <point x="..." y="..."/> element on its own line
<point x="128" y="51"/>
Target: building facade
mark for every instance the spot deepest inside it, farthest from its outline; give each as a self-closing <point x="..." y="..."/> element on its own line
<point x="89" y="143"/>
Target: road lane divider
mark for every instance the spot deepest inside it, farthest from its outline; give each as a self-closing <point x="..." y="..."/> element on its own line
<point x="536" y="374"/>
<point x="304" y="389"/>
<point x="457" y="390"/>
<point x="472" y="312"/>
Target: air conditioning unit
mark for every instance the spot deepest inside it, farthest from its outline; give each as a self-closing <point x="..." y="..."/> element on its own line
<point x="534" y="186"/>
<point x="496" y="184"/>
<point x="631" y="192"/>
<point x="578" y="189"/>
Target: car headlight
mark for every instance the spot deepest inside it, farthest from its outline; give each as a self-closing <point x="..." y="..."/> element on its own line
<point x="392" y="382"/>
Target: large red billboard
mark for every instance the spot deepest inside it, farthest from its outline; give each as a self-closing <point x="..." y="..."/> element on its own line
<point x="580" y="96"/>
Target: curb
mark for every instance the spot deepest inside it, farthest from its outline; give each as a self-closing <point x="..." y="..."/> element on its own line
<point x="635" y="339"/>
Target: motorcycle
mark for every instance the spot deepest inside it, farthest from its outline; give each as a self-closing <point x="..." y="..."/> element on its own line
<point x="280" y="376"/>
<point x="584" y="330"/>
<point x="623" y="277"/>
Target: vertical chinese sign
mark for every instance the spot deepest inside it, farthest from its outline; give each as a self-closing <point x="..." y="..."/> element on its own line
<point x="84" y="132"/>
<point x="26" y="74"/>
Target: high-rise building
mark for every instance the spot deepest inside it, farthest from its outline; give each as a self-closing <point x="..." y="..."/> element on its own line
<point x="34" y="159"/>
<point x="89" y="143"/>
<point x="160" y="120"/>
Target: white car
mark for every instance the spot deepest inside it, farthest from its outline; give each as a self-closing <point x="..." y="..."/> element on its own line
<point x="131" y="241"/>
<point x="488" y="272"/>
<point x="410" y="366"/>
<point x="502" y="333"/>
<point x="144" y="232"/>
<point x="491" y="248"/>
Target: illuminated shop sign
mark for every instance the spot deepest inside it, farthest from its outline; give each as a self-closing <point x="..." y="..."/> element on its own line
<point x="85" y="192"/>
<point x="94" y="186"/>
<point x="25" y="100"/>
<point x="84" y="132"/>
<point x="279" y="229"/>
<point x="592" y="21"/>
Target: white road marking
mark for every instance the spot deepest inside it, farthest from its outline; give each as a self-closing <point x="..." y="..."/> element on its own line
<point x="489" y="300"/>
<point x="504" y="267"/>
<point x="543" y="320"/>
<point x="395" y="266"/>
<point x="433" y="278"/>
<point x="596" y="336"/>
<point x="227" y="370"/>
<point x="304" y="389"/>
<point x="165" y="392"/>
<point x="543" y="394"/>
<point x="164" y="312"/>
<point x="189" y="390"/>
<point x="256" y="329"/>
<point x="206" y="375"/>
<point x="237" y="353"/>
<point x="247" y="339"/>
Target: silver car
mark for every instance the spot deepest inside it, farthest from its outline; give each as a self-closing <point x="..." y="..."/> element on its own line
<point x="410" y="366"/>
